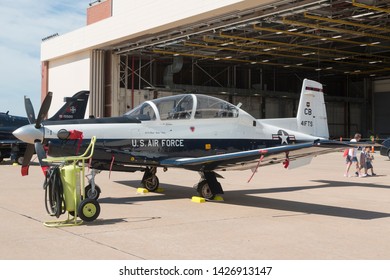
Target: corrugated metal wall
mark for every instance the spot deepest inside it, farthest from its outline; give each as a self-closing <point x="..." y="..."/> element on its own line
<point x="97" y="84"/>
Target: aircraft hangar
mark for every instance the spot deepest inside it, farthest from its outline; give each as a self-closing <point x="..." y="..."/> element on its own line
<point x="248" y="51"/>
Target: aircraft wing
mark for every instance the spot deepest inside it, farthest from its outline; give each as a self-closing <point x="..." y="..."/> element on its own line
<point x="10" y="142"/>
<point x="251" y="158"/>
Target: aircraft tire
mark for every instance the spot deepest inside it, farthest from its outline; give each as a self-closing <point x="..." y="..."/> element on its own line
<point x="1" y="159"/>
<point x="92" y="194"/>
<point x="89" y="210"/>
<point x="19" y="160"/>
<point x="204" y="190"/>
<point x="151" y="183"/>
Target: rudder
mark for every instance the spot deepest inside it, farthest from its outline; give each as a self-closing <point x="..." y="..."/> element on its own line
<point x="74" y="108"/>
<point x="311" y="116"/>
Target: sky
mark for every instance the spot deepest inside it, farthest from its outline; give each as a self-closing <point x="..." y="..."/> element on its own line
<point x="23" y="24"/>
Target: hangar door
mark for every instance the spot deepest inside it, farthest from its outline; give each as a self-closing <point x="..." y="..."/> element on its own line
<point x="381" y="112"/>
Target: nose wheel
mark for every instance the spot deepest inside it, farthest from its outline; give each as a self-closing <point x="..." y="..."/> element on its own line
<point x="92" y="193"/>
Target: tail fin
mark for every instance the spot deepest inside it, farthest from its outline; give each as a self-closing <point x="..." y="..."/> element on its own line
<point x="74" y="108"/>
<point x="311" y="116"/>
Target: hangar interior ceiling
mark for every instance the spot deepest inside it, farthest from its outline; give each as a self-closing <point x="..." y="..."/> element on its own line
<point x="344" y="44"/>
<point x="331" y="37"/>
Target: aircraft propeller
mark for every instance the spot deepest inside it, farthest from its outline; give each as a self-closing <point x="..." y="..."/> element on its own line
<point x="29" y="110"/>
<point x="37" y="146"/>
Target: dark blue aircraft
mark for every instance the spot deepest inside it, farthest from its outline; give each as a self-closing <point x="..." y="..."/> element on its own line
<point x="11" y="147"/>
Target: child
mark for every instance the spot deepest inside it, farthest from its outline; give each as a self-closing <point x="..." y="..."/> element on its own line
<point x="363" y="163"/>
<point x="369" y="159"/>
<point x="366" y="162"/>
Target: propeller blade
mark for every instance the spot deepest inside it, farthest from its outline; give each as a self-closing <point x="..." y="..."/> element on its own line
<point x="27" y="158"/>
<point x="37" y="146"/>
<point x="44" y="109"/>
<point x="29" y="110"/>
<point x="41" y="153"/>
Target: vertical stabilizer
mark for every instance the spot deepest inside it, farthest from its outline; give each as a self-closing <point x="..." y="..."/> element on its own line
<point x="311" y="116"/>
<point x="74" y="107"/>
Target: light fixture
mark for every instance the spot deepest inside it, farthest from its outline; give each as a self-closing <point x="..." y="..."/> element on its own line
<point x="362" y="15"/>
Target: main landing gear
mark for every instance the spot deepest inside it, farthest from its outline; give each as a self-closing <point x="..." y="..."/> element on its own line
<point x="150" y="180"/>
<point x="208" y="187"/>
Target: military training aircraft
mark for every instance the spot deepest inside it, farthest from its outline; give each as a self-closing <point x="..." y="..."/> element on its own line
<point x="11" y="147"/>
<point x="191" y="131"/>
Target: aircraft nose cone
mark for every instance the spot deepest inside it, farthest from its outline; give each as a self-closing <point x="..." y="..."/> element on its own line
<point x="29" y="133"/>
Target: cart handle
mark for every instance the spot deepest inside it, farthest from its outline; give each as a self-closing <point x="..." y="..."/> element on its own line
<point x="90" y="150"/>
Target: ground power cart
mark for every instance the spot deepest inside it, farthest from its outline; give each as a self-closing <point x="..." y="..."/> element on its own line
<point x="65" y="189"/>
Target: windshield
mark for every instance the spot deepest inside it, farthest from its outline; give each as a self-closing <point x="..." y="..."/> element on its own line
<point x="143" y="112"/>
<point x="175" y="107"/>
<point x="386" y="143"/>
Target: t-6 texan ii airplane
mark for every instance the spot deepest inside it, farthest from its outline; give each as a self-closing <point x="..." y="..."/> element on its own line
<point x="191" y="131"/>
<point x="74" y="108"/>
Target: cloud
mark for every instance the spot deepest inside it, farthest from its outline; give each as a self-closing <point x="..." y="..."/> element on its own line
<point x="24" y="23"/>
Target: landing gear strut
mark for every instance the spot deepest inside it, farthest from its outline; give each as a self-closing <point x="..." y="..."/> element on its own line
<point x="150" y="180"/>
<point x="92" y="190"/>
<point x="208" y="186"/>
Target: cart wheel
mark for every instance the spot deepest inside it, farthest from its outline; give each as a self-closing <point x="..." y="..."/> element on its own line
<point x="89" y="210"/>
<point x="92" y="194"/>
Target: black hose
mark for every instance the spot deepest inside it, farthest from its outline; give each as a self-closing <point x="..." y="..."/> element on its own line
<point x="54" y="192"/>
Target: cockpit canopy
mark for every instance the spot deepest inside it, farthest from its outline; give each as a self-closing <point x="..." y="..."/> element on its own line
<point x="184" y="106"/>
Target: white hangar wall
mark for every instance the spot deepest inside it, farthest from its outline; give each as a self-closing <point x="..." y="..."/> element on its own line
<point x="68" y="75"/>
<point x="131" y="19"/>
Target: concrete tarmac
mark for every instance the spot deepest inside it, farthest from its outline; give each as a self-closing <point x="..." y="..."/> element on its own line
<point x="309" y="213"/>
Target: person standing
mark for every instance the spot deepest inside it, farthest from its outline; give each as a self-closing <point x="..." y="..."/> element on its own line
<point x="352" y="156"/>
<point x="368" y="158"/>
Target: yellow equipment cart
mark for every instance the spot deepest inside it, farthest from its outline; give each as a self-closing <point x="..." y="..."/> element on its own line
<point x="65" y="190"/>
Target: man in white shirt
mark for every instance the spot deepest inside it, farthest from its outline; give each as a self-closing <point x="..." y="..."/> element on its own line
<point x="352" y="156"/>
